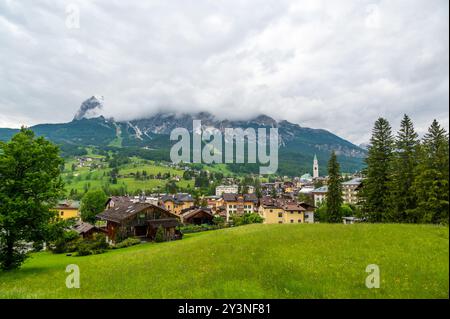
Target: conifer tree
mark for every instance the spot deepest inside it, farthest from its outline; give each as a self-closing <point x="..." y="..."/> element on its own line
<point x="431" y="185"/>
<point x="334" y="195"/>
<point x="404" y="161"/>
<point x="375" y="193"/>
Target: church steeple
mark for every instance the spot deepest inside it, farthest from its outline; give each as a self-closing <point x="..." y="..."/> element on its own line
<point x="315" y="167"/>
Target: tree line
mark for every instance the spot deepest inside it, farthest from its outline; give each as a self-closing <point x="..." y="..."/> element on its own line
<point x="406" y="177"/>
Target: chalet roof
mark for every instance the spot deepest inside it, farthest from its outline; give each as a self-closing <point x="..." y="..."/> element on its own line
<point x="323" y="189"/>
<point x="68" y="204"/>
<point x="353" y="182"/>
<point x="82" y="227"/>
<point x="121" y="212"/>
<point x="195" y="211"/>
<point x="240" y="198"/>
<point x="178" y="198"/>
<point x="285" y="204"/>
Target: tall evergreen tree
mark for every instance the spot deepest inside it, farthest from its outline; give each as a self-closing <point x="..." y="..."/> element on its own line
<point x="375" y="193"/>
<point x="404" y="161"/>
<point x="334" y="195"/>
<point x="431" y="185"/>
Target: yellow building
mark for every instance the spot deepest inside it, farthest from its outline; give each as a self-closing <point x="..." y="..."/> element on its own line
<point x="177" y="203"/>
<point x="282" y="211"/>
<point x="239" y="204"/>
<point x="68" y="209"/>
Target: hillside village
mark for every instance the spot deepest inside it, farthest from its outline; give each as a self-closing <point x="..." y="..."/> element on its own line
<point x="281" y="201"/>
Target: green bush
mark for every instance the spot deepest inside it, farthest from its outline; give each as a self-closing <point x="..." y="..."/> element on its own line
<point x="66" y="243"/>
<point x="159" y="237"/>
<point x="186" y="229"/>
<point x="92" y="246"/>
<point x="246" y="219"/>
<point x="127" y="243"/>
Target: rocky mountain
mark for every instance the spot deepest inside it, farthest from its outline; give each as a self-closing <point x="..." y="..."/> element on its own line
<point x="297" y="144"/>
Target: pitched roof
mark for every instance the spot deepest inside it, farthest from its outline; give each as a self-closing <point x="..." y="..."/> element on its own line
<point x="68" y="204"/>
<point x="121" y="212"/>
<point x="178" y="198"/>
<point x="195" y="211"/>
<point x="239" y="197"/>
<point x="323" y="189"/>
<point x="82" y="227"/>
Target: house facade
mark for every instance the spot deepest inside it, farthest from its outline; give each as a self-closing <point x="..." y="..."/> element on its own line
<point x="138" y="220"/>
<point x="227" y="189"/>
<point x="239" y="204"/>
<point x="197" y="216"/>
<point x="350" y="191"/>
<point x="68" y="209"/>
<point x="177" y="203"/>
<point x="283" y="211"/>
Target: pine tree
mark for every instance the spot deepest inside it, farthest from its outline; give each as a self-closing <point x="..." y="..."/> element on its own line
<point x="334" y="195"/>
<point x="375" y="193"/>
<point x="402" y="199"/>
<point x="431" y="185"/>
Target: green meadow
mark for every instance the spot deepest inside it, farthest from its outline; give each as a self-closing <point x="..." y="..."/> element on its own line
<point x="255" y="261"/>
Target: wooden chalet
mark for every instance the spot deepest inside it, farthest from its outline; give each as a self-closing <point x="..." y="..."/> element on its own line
<point x="139" y="220"/>
<point x="197" y="216"/>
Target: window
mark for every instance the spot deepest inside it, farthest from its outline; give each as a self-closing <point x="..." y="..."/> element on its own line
<point x="292" y="221"/>
<point x="280" y="214"/>
<point x="271" y="210"/>
<point x="280" y="222"/>
<point x="299" y="220"/>
<point x="306" y="216"/>
<point x="62" y="213"/>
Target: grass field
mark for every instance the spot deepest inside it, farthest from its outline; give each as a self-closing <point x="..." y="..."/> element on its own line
<point x="98" y="177"/>
<point x="256" y="261"/>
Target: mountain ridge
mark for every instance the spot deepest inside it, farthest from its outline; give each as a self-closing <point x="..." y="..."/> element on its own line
<point x="298" y="144"/>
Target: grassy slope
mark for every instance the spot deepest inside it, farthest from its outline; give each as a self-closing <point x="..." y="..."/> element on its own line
<point x="97" y="178"/>
<point x="256" y="261"/>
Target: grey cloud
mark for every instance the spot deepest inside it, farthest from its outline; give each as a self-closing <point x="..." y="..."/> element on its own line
<point x="333" y="65"/>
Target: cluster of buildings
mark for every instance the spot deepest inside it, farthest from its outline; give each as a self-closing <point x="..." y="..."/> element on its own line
<point x="142" y="216"/>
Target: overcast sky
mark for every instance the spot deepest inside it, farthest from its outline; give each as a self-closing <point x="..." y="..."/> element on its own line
<point x="336" y="65"/>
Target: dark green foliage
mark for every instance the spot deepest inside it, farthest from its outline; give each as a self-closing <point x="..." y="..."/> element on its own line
<point x="92" y="203"/>
<point x="186" y="229"/>
<point x="66" y="243"/>
<point x="402" y="199"/>
<point x="432" y="177"/>
<point x="321" y="214"/>
<point x="376" y="185"/>
<point x="246" y="219"/>
<point x="92" y="246"/>
<point x="30" y="185"/>
<point x="160" y="236"/>
<point x="334" y="195"/>
<point x="127" y="243"/>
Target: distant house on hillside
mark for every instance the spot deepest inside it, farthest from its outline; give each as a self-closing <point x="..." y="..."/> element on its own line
<point x="139" y="220"/>
<point x="68" y="209"/>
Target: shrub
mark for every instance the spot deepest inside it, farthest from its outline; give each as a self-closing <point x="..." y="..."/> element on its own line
<point x="94" y="246"/>
<point x="127" y="243"/>
<point x="66" y="243"/>
<point x="246" y="219"/>
<point x="159" y="237"/>
<point x="186" y="229"/>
